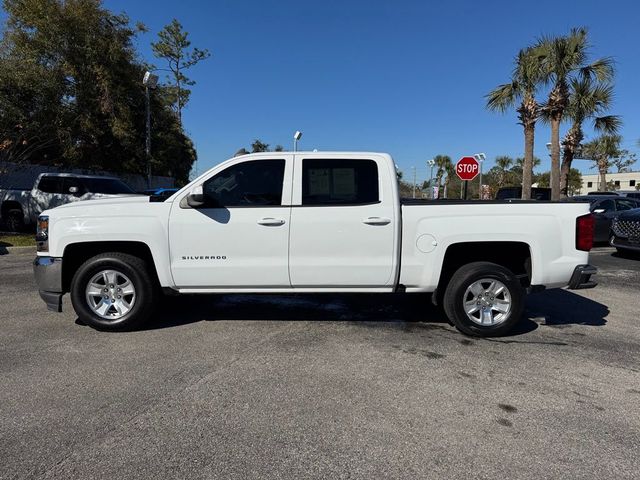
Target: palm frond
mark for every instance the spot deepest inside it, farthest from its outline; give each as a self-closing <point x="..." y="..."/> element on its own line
<point x="601" y="69"/>
<point x="608" y="124"/>
<point x="503" y="97"/>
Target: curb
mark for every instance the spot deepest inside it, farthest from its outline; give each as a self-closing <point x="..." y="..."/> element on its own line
<point x="6" y="250"/>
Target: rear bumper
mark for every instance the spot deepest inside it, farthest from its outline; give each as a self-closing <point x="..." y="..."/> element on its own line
<point x="48" y="275"/>
<point x="581" y="277"/>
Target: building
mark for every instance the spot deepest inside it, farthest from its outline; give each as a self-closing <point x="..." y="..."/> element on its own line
<point x="621" y="181"/>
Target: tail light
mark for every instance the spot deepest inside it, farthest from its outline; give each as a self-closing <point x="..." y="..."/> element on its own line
<point x="584" y="232"/>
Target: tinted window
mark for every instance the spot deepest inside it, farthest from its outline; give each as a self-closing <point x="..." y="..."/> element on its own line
<point x="608" y="205"/>
<point x="339" y="182"/>
<point x="69" y="182"/>
<point x="51" y="184"/>
<point x="111" y="186"/>
<point x="253" y="183"/>
<point x="625" y="204"/>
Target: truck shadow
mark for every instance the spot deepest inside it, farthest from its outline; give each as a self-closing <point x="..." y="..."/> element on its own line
<point x="562" y="308"/>
<point x="402" y="312"/>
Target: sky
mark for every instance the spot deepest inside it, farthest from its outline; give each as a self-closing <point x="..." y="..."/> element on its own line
<point x="404" y="77"/>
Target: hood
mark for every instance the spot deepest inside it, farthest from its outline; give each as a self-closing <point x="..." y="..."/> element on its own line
<point x="104" y="201"/>
<point x="630" y="215"/>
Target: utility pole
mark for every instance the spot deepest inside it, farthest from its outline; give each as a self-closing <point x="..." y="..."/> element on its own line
<point x="150" y="81"/>
<point x="431" y="163"/>
<point x="414" y="181"/>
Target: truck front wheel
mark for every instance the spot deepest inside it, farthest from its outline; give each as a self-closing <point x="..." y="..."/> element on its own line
<point x="113" y="291"/>
<point x="484" y="299"/>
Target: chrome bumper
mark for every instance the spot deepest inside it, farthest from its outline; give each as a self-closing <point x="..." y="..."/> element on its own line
<point x="48" y="274"/>
<point x="581" y="277"/>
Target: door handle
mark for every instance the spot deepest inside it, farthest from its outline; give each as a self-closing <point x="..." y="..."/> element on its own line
<point x="377" y="221"/>
<point x="271" y="222"/>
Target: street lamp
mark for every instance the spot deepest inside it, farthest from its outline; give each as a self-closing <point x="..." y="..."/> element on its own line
<point x="431" y="163"/>
<point x="296" y="137"/>
<point x="480" y="157"/>
<point x="150" y="81"/>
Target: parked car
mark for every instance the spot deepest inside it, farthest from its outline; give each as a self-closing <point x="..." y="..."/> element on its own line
<point x="334" y="223"/>
<point x="515" y="193"/>
<point x="630" y="193"/>
<point x="21" y="207"/>
<point x="605" y="208"/>
<point x="160" y="193"/>
<point x="625" y="232"/>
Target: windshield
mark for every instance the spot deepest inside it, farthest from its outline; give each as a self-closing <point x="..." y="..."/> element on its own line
<point x="111" y="186"/>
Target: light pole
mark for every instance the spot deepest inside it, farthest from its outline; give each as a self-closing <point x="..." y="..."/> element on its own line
<point x="414" y="181"/>
<point x="296" y="136"/>
<point x="480" y="157"/>
<point x="431" y="163"/>
<point x="150" y="81"/>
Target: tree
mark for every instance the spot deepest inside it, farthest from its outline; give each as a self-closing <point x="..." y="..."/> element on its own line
<point x="71" y="95"/>
<point x="503" y="163"/>
<point x="563" y="58"/>
<point x="518" y="168"/>
<point x="443" y="164"/>
<point x="601" y="150"/>
<point x="257" y="146"/>
<point x="587" y="100"/>
<point x="525" y="80"/>
<point x="173" y="47"/>
<point x="623" y="161"/>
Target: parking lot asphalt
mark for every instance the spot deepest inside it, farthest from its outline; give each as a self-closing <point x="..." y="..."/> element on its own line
<point x="323" y="386"/>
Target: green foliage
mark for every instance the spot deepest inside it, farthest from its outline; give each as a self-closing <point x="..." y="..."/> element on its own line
<point x="71" y="93"/>
<point x="173" y="47"/>
<point x="259" y="146"/>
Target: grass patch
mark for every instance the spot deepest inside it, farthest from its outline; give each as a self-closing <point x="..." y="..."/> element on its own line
<point x="27" y="240"/>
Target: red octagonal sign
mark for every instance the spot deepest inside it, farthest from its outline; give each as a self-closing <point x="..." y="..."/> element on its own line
<point x="467" y="168"/>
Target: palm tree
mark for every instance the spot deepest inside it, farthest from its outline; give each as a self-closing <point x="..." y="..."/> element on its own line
<point x="587" y="100"/>
<point x="601" y="150"/>
<point x="503" y="163"/>
<point x="443" y="162"/>
<point x="563" y="58"/>
<point x="527" y="76"/>
<point x="518" y="167"/>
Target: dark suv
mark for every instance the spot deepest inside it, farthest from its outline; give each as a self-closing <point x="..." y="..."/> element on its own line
<point x="626" y="231"/>
<point x="605" y="209"/>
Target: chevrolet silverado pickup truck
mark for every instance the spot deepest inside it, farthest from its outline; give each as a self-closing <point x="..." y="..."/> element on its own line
<point x="309" y="222"/>
<point x="20" y="207"/>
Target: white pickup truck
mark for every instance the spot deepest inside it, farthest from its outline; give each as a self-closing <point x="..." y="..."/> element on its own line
<point x="20" y="207"/>
<point x="309" y="222"/>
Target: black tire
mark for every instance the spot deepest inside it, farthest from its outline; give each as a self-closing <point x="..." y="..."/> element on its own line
<point x="128" y="266"/>
<point x="14" y="220"/>
<point x="456" y="291"/>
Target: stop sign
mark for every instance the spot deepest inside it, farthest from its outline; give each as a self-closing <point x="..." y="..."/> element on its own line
<point x="467" y="168"/>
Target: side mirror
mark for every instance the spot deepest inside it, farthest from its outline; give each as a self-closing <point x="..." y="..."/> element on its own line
<point x="598" y="211"/>
<point x="195" y="199"/>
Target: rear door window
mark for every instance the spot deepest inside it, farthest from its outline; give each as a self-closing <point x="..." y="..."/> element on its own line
<point x="339" y="182"/>
<point x="51" y="184"/>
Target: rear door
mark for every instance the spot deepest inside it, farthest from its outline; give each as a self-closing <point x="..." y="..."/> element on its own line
<point x="343" y="223"/>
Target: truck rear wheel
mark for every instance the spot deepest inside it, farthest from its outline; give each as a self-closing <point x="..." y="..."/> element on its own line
<point x="113" y="291"/>
<point x="484" y="299"/>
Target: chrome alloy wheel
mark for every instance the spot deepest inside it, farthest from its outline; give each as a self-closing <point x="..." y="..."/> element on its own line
<point x="487" y="302"/>
<point x="110" y="294"/>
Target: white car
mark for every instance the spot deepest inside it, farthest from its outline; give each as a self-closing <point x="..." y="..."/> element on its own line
<point x="309" y="222"/>
<point x="21" y="207"/>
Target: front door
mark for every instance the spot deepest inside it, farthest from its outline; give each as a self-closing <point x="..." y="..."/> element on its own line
<point x="240" y="236"/>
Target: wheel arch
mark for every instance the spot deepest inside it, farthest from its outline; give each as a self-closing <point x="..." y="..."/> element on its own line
<point x="512" y="255"/>
<point x="75" y="254"/>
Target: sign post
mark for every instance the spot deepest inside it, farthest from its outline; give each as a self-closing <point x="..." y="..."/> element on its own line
<point x="467" y="169"/>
